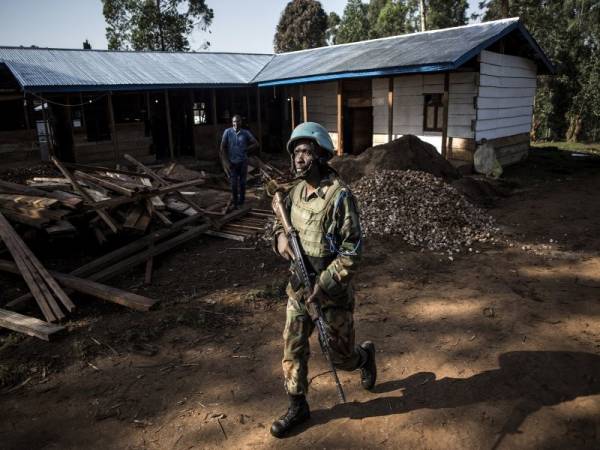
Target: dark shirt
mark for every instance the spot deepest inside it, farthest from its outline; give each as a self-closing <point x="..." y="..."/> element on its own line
<point x="237" y="144"/>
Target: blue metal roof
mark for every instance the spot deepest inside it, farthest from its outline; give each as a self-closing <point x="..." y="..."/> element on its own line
<point x="60" y="70"/>
<point x="63" y="70"/>
<point x="430" y="51"/>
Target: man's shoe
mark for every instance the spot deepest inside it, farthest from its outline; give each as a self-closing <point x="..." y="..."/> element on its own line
<point x="297" y="413"/>
<point x="368" y="370"/>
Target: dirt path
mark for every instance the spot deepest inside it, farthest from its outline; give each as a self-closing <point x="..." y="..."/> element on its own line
<point x="499" y="348"/>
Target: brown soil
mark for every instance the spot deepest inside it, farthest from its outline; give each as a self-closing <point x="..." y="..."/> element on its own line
<point x="499" y="348"/>
<point x="405" y="153"/>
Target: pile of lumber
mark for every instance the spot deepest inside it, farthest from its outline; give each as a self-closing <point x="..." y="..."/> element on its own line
<point x="109" y="201"/>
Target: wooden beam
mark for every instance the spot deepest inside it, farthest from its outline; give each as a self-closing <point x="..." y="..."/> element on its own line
<point x="304" y="108"/>
<point x="213" y="105"/>
<point x="169" y="125"/>
<point x="113" y="127"/>
<point x="93" y="289"/>
<point x="340" y="117"/>
<point x="191" y="121"/>
<point x="83" y="193"/>
<point x="390" y="105"/>
<point x="445" y="102"/>
<point x="259" y="117"/>
<point x="28" y="325"/>
<point x="26" y="111"/>
<point x="293" y="112"/>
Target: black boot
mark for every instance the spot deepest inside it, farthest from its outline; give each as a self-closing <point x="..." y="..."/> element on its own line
<point x="296" y="414"/>
<point x="368" y="369"/>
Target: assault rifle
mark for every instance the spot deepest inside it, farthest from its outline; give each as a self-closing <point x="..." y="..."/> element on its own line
<point x="299" y="265"/>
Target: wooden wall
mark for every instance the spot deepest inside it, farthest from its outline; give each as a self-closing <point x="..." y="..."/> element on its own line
<point x="130" y="139"/>
<point x="408" y="104"/>
<point x="19" y="145"/>
<point x="506" y="93"/>
<point x="322" y="106"/>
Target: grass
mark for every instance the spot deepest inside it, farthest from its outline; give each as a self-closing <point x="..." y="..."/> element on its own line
<point x="571" y="147"/>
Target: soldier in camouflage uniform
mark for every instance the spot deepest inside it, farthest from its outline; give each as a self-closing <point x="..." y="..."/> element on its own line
<point x="324" y="212"/>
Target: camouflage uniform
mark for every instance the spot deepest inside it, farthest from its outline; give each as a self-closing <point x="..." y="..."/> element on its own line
<point x="331" y="209"/>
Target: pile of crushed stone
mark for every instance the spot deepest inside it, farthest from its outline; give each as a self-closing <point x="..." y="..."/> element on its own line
<point x="421" y="209"/>
<point x="405" y="153"/>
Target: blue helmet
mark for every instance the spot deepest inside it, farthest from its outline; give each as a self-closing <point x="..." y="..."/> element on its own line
<point x="316" y="133"/>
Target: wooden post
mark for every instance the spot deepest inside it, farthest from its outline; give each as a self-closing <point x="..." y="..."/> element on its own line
<point x="293" y="116"/>
<point x="169" y="127"/>
<point x="259" y="117"/>
<point x="213" y="101"/>
<point x="445" y="103"/>
<point x="340" y="118"/>
<point x="304" y="108"/>
<point x="248" y="105"/>
<point x="390" y="104"/>
<point x="26" y="111"/>
<point x="191" y="121"/>
<point x="83" y="122"/>
<point x="45" y="118"/>
<point x="113" y="128"/>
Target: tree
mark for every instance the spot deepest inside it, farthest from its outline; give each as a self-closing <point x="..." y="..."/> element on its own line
<point x="303" y="24"/>
<point x="333" y="23"/>
<point x="445" y="13"/>
<point x="373" y="10"/>
<point x="355" y="24"/>
<point x="392" y="20"/>
<point x="154" y="24"/>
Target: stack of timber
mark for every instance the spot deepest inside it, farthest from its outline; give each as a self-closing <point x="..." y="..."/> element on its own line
<point x="248" y="225"/>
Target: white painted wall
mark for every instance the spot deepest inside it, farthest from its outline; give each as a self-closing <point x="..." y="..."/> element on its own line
<point x="409" y="94"/>
<point x="506" y="94"/>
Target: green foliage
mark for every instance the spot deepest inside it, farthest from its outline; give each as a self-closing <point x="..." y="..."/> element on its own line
<point x="302" y="25"/>
<point x="446" y="13"/>
<point x="355" y="23"/>
<point x="392" y="20"/>
<point x="567" y="104"/>
<point x="154" y="24"/>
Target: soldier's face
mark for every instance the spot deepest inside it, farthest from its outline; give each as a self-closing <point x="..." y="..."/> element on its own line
<point x="303" y="155"/>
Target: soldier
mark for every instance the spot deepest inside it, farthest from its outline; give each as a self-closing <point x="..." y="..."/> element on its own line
<point x="324" y="212"/>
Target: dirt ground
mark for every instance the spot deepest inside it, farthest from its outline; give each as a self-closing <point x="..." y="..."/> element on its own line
<point x="499" y="348"/>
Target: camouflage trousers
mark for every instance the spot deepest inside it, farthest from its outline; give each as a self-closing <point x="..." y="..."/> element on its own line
<point x="298" y="328"/>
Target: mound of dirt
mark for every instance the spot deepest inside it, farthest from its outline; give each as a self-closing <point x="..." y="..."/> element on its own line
<point x="406" y="153"/>
<point x="422" y="209"/>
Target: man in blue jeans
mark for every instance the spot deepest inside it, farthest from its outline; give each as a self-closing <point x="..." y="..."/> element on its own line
<point x="236" y="144"/>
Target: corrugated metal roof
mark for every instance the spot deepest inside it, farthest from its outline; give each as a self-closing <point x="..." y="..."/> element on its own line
<point x="430" y="51"/>
<point x="59" y="69"/>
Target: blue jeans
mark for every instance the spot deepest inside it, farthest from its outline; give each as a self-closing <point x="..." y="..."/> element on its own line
<point x="239" y="171"/>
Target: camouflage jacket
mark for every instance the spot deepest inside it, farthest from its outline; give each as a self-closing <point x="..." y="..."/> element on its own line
<point x="341" y="218"/>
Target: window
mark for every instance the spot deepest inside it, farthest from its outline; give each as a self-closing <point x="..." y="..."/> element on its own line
<point x="200" y="113"/>
<point x="433" y="113"/>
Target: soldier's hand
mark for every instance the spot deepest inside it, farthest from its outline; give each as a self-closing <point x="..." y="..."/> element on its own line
<point x="316" y="296"/>
<point x="283" y="246"/>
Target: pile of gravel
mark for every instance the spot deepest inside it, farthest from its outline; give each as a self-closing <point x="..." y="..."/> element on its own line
<point x="422" y="209"/>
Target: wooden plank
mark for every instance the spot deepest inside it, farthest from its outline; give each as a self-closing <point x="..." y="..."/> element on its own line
<point x="12" y="242"/>
<point x="94" y="289"/>
<point x="221" y="234"/>
<point x="510" y="140"/>
<point x="445" y="96"/>
<point x="28" y="325"/>
<point x="67" y="200"/>
<point x="506" y="92"/>
<point x="502" y="132"/>
<point x="133" y="216"/>
<point x="113" y="128"/>
<point x="169" y="125"/>
<point x="340" y="118"/>
<point x="390" y="108"/>
<point x="110" y="185"/>
<point x="27" y="200"/>
<point x="103" y="214"/>
<point x="502" y="71"/>
<point x="495" y="103"/>
<point x="501" y="59"/>
<point x="504" y="113"/>
<point x="492" y="124"/>
<point x="506" y="82"/>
